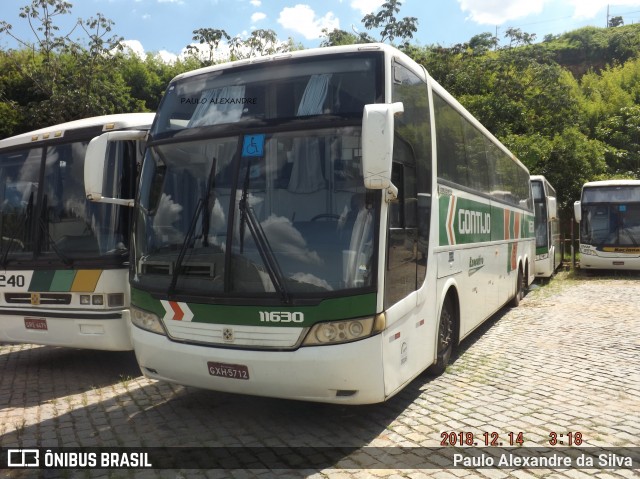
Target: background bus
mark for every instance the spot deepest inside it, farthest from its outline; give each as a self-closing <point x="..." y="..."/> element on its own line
<point x="64" y="259"/>
<point x="289" y="245"/>
<point x="549" y="249"/>
<point x="609" y="217"/>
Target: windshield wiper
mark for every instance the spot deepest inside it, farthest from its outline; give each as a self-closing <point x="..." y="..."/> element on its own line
<point x="65" y="259"/>
<point x="247" y="216"/>
<point x="43" y="227"/>
<point x="13" y="239"/>
<point x="183" y="248"/>
<point x="26" y="217"/>
<point x="202" y="206"/>
<point x="207" y="203"/>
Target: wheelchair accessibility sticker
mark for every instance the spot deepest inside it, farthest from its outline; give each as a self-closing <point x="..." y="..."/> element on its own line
<point x="253" y="146"/>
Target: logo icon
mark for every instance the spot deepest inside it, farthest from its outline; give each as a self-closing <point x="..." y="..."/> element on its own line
<point x="227" y="335"/>
<point x="23" y="458"/>
<point x="35" y="299"/>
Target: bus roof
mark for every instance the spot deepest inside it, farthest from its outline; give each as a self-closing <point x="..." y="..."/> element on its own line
<point x="604" y="183"/>
<point x="107" y="122"/>
<point x="311" y="52"/>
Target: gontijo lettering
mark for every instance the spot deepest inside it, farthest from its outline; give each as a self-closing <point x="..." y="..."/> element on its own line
<point x="473" y="222"/>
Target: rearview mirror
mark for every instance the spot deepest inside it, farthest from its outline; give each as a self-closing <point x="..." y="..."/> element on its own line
<point x="94" y="162"/>
<point x="377" y="143"/>
<point x="577" y="211"/>
<point x="553" y="208"/>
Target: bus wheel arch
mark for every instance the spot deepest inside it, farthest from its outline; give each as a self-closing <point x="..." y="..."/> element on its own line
<point x="448" y="332"/>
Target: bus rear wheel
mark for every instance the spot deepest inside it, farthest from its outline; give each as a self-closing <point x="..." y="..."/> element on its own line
<point x="445" y="339"/>
<point x="515" y="302"/>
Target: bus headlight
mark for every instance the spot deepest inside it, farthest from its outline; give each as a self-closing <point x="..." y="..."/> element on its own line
<point x="336" y="332"/>
<point x="147" y="321"/>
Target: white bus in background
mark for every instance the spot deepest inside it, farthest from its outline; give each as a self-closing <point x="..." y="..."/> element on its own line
<point x="288" y="245"/>
<point x="548" y="241"/>
<point x="609" y="217"/>
<point x="64" y="259"/>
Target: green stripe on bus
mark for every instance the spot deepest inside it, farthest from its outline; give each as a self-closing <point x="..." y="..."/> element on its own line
<point x="62" y="280"/>
<point x="329" y="309"/>
<point x="41" y="280"/>
<point x="465" y="221"/>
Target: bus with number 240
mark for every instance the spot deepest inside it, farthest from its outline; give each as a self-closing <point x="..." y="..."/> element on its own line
<point x="64" y="259"/>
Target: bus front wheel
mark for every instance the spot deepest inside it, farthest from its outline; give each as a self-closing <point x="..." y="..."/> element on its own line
<point x="445" y="338"/>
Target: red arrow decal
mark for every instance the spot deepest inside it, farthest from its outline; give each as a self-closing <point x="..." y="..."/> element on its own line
<point x="178" y="314"/>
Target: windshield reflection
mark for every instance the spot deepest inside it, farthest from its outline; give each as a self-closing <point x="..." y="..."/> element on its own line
<point x="284" y="214"/>
<point x="53" y="218"/>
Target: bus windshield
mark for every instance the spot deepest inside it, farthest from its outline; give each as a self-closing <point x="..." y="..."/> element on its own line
<point x="53" y="219"/>
<point x="542" y="236"/>
<point x="252" y="182"/>
<point x="275" y="214"/>
<point x="611" y="216"/>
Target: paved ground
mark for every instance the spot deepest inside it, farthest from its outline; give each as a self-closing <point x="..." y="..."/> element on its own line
<point x="567" y="360"/>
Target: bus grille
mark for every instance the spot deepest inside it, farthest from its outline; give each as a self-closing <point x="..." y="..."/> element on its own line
<point x="258" y="337"/>
<point x="45" y="298"/>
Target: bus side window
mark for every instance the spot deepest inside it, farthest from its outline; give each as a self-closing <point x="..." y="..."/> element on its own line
<point x="402" y="231"/>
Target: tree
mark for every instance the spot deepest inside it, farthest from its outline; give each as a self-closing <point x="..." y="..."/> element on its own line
<point x="482" y="43"/>
<point x="211" y="38"/>
<point x="66" y="78"/>
<point x="615" y="22"/>
<point x="392" y="28"/>
<point x="517" y="37"/>
<point x="337" y="37"/>
<point x="260" y="42"/>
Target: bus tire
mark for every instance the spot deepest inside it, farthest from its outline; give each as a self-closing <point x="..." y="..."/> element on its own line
<point x="515" y="301"/>
<point x="445" y="338"/>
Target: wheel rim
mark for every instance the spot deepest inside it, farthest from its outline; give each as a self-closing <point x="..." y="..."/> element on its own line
<point x="445" y="333"/>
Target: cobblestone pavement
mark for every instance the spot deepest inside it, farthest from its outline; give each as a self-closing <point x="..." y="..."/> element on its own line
<point x="567" y="360"/>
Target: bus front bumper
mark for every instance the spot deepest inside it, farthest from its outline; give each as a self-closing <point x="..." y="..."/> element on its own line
<point x="108" y="331"/>
<point x="349" y="373"/>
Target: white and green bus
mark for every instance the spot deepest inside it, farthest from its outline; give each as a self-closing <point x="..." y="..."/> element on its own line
<point x="320" y="225"/>
<point x="63" y="258"/>
<point x="548" y="241"/>
<point x="609" y="217"/>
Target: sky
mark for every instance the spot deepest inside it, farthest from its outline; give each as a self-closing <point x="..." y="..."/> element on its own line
<point x="165" y="27"/>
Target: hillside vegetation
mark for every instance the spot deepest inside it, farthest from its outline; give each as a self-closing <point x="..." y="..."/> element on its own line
<point x="568" y="106"/>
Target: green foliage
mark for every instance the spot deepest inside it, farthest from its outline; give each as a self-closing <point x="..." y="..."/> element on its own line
<point x="338" y="37"/>
<point x="567" y="159"/>
<point x="260" y="42"/>
<point x="592" y="48"/>
<point x="61" y="79"/>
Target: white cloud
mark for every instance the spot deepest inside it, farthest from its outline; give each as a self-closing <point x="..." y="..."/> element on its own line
<point x="256" y="17"/>
<point x="496" y="12"/>
<point x="366" y="6"/>
<point x="303" y="20"/>
<point x="255" y="3"/>
<point x="590" y="8"/>
<point x="166" y="57"/>
<point x="133" y="47"/>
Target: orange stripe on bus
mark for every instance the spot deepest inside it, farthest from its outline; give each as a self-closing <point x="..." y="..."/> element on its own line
<point x="86" y="280"/>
